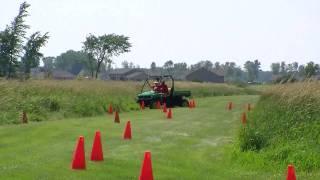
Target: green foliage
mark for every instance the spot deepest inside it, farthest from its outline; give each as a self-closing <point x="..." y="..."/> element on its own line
<point x="103" y="48"/>
<point x="31" y="57"/>
<point x="72" y="61"/>
<point x="11" y="42"/>
<point x="285" y="126"/>
<point x="251" y="140"/>
<point x="311" y="68"/>
<point x="275" y="67"/>
<point x="11" y="46"/>
<point x="252" y="68"/>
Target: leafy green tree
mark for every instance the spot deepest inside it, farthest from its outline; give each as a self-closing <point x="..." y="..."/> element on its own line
<point x="48" y="65"/>
<point x="301" y="71"/>
<point x="295" y="66"/>
<point x="283" y="69"/>
<point x="72" y="61"/>
<point x="11" y="42"/>
<point x="206" y="64"/>
<point x="232" y="73"/>
<point x="182" y="66"/>
<point x="31" y="57"/>
<point x="252" y="69"/>
<point x="125" y="64"/>
<point x="217" y="65"/>
<point x="103" y="48"/>
<point x="275" y="67"/>
<point x="310" y="69"/>
<point x="168" y="64"/>
<point x="153" y="66"/>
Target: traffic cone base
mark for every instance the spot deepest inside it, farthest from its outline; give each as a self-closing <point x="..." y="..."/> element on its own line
<point x="110" y="110"/>
<point x="158" y="105"/>
<point x="169" y="114"/>
<point x="142" y="105"/>
<point x="97" y="153"/>
<point x="230" y="106"/>
<point x="116" y="117"/>
<point x="127" y="131"/>
<point x="291" y="175"/>
<point x="79" y="160"/>
<point x="146" y="168"/>
<point x="164" y="108"/>
<point x="244" y="118"/>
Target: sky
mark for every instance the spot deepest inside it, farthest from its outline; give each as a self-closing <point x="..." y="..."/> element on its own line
<point x="181" y="30"/>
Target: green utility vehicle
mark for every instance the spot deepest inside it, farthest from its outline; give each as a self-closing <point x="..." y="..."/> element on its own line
<point x="158" y="91"/>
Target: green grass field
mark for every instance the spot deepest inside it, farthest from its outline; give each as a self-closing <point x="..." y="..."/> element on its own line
<point x="195" y="144"/>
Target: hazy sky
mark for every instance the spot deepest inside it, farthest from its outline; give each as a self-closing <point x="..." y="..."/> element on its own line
<point x="182" y="30"/>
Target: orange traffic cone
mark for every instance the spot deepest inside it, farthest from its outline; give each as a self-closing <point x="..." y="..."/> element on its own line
<point x="244" y="118"/>
<point x="97" y="153"/>
<point x="110" y="110"/>
<point x="24" y="117"/>
<point x="158" y="105"/>
<point x="79" y="160"/>
<point x="146" y="168"/>
<point x="230" y="106"/>
<point x="164" y="107"/>
<point x="169" y="115"/>
<point x="127" y="131"/>
<point x="291" y="175"/>
<point x="116" y="117"/>
<point x="142" y="105"/>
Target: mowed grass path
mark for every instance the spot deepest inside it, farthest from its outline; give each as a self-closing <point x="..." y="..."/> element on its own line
<point x="190" y="146"/>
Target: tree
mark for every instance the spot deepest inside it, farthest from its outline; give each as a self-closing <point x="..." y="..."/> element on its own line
<point x="311" y="69"/>
<point x="125" y="64"/>
<point x="11" y="42"/>
<point x="153" y="66"/>
<point x="275" y="67"/>
<point x="283" y="69"/>
<point x="295" y="66"/>
<point x="301" y="71"/>
<point x="217" y="65"/>
<point x="252" y="69"/>
<point x="232" y="73"/>
<point x="180" y="66"/>
<point x="31" y="57"/>
<point x="73" y="61"/>
<point x="48" y="65"/>
<point x="131" y="65"/>
<point x="103" y="48"/>
<point x="257" y="66"/>
<point x="168" y="64"/>
<point x="206" y="64"/>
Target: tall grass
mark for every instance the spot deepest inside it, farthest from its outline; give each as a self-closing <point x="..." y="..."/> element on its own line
<point x="285" y="127"/>
<point x="49" y="99"/>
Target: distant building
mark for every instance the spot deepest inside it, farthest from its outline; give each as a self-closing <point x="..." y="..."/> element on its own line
<point x="127" y="74"/>
<point x="205" y="75"/>
<point x="62" y="75"/>
<point x="137" y="76"/>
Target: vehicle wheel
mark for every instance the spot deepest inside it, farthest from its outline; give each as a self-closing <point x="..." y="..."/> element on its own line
<point x="184" y="103"/>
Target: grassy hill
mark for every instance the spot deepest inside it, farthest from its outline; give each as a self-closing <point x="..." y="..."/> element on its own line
<point x="284" y="128"/>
